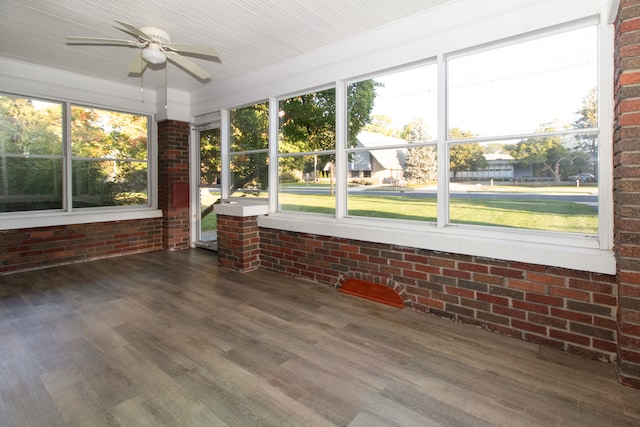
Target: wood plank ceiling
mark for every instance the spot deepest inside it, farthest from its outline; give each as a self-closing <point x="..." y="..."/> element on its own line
<point x="249" y="34"/>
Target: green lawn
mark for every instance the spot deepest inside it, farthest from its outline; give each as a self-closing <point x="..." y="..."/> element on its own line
<point x="521" y="213"/>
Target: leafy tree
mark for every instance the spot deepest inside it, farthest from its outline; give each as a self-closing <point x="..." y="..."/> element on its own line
<point x="416" y="131"/>
<point x="26" y="131"/>
<point x="421" y="165"/>
<point x="381" y="125"/>
<point x="465" y="157"/>
<point x="549" y="154"/>
<point x="307" y="121"/>
<point x="588" y="118"/>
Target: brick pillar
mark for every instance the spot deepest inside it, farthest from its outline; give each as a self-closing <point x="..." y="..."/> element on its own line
<point x="173" y="182"/>
<point x="626" y="164"/>
<point x="238" y="242"/>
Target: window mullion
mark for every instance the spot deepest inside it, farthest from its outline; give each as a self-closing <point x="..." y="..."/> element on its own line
<point x="67" y="196"/>
<point x="443" y="149"/>
<point x="225" y="166"/>
<point x="341" y="146"/>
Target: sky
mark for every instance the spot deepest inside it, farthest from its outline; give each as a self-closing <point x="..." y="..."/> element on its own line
<point x="511" y="89"/>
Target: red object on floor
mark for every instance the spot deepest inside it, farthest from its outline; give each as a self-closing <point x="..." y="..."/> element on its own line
<point x="372" y="291"/>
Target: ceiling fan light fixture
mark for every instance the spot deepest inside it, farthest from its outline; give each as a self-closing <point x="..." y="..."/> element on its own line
<point x="153" y="54"/>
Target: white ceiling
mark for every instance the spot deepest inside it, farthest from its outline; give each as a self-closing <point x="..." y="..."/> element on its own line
<point x="248" y="34"/>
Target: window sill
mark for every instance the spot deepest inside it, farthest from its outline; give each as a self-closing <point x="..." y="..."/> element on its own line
<point x="566" y="251"/>
<point x="51" y="219"/>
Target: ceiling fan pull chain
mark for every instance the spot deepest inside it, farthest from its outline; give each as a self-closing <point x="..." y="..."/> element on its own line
<point x="142" y="79"/>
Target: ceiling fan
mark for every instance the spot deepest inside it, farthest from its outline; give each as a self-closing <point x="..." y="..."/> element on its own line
<point x="156" y="48"/>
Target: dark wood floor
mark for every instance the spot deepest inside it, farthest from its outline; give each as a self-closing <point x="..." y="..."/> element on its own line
<point x="168" y="339"/>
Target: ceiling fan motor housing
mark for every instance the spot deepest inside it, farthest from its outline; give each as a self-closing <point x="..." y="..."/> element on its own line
<point x="157" y="35"/>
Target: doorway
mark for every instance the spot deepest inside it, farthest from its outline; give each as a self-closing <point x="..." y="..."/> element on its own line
<point x="208" y="187"/>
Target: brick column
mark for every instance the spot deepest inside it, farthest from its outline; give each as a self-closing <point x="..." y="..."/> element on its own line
<point x="238" y="242"/>
<point x="173" y="182"/>
<point x="626" y="163"/>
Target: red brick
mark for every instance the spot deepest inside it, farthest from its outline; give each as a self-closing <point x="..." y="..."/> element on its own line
<point x="627" y="78"/>
<point x="546" y="279"/>
<point x="631" y="119"/>
<point x="527" y="306"/>
<point x="493" y="299"/>
<point x="568" y="336"/>
<point x="507" y="272"/>
<point x="466" y="293"/>
<point x="478" y="268"/>
<point x="570" y="293"/>
<point x="526" y="326"/>
<point x="571" y="315"/>
<point x="546" y="300"/>
<point x="527" y="286"/>
<point x="510" y="312"/>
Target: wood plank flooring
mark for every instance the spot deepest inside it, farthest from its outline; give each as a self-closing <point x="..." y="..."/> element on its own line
<point x="169" y="339"/>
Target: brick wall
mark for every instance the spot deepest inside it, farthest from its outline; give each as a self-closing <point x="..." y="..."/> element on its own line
<point x="173" y="182"/>
<point x="238" y="242"/>
<point x="31" y="248"/>
<point x="626" y="180"/>
<point x="569" y="310"/>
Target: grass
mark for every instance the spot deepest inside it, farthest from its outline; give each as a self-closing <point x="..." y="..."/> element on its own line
<point x="520" y="213"/>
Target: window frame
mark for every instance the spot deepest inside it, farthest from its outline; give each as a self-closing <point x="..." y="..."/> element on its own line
<point x="567" y="250"/>
<point x="69" y="215"/>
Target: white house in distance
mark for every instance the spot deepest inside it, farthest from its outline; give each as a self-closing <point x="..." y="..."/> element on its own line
<point x="381" y="166"/>
<point x="386" y="165"/>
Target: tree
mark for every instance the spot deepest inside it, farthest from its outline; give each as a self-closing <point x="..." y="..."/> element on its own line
<point x="27" y="131"/>
<point x="465" y="156"/>
<point x="588" y="118"/>
<point x="421" y="165"/>
<point x="416" y="131"/>
<point x="380" y="124"/>
<point x="307" y="122"/>
<point x="547" y="152"/>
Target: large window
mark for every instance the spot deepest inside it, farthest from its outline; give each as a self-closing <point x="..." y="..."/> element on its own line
<point x="392" y="159"/>
<point x="248" y="157"/>
<point x="306" y="152"/>
<point x="522" y="134"/>
<point x="488" y="150"/>
<point x="107" y="164"/>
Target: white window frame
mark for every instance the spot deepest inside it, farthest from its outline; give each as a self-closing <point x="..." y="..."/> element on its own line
<point x="574" y="251"/>
<point x="69" y="215"/>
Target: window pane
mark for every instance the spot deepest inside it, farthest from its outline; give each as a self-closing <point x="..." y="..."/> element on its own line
<point x="401" y="182"/>
<point x="108" y="134"/>
<point x="402" y="104"/>
<point x="545" y="183"/>
<point x="109" y="183"/>
<point x="30" y="127"/>
<point x="249" y="174"/>
<point x="31" y="167"/>
<point x="306" y="184"/>
<point x="387" y="115"/>
<point x="307" y="122"/>
<point x="30" y="184"/>
<point x="105" y="146"/>
<point x="210" y="156"/>
<point x="250" y="128"/>
<point x="524" y="87"/>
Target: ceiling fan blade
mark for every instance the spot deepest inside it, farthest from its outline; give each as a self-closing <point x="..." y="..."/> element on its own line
<point x="135" y="31"/>
<point x="97" y="40"/>
<point x="196" y="50"/>
<point x="188" y="65"/>
<point x="138" y="65"/>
